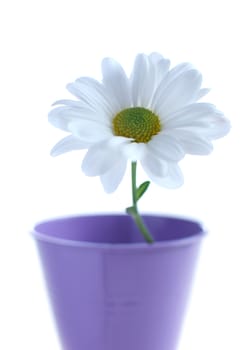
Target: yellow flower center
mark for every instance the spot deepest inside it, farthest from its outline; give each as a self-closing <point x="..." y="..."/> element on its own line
<point x="137" y="123"/>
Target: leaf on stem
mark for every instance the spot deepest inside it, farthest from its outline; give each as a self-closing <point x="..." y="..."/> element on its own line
<point x="142" y="189"/>
<point x="131" y="211"/>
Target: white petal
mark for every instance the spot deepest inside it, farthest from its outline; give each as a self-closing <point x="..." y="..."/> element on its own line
<point x="116" y="83"/>
<point x="173" y="178"/>
<point x="61" y="116"/>
<point x="200" y="118"/>
<point x="139" y="79"/>
<point x="161" y="66"/>
<point x="213" y="130"/>
<point x="133" y="150"/>
<point x="112" y="178"/>
<point x="102" y="94"/>
<point x="147" y="73"/>
<point x="192" y="142"/>
<point x="177" y="71"/>
<point x="201" y="93"/>
<point x="218" y="127"/>
<point x="162" y="69"/>
<point x="68" y="144"/>
<point x="90" y="131"/>
<point x="153" y="166"/>
<point x="119" y="140"/>
<point x="99" y="159"/>
<point x="166" y="147"/>
<point x="155" y="57"/>
<point x="70" y="103"/>
<point x="93" y="94"/>
<point x="179" y="93"/>
<point x="193" y="114"/>
<point x="173" y="74"/>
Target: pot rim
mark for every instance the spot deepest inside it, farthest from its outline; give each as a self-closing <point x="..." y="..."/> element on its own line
<point x="130" y="246"/>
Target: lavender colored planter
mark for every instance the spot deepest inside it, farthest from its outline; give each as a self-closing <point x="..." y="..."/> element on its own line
<point x="112" y="291"/>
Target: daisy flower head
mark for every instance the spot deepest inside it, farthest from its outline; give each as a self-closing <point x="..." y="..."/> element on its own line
<point x="153" y="117"/>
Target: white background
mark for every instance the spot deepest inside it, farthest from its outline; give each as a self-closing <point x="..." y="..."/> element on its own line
<point x="44" y="46"/>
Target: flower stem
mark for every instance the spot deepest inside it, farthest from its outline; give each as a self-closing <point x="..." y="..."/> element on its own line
<point x="133" y="211"/>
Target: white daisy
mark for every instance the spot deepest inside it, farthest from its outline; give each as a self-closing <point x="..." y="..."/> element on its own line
<point x="153" y="117"/>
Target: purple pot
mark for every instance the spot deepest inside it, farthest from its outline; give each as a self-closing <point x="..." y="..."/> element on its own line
<point x="109" y="289"/>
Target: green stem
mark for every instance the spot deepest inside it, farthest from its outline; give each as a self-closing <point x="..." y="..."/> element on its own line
<point x="134" y="212"/>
